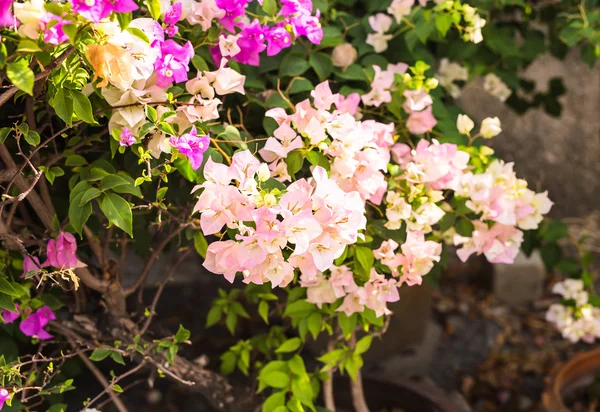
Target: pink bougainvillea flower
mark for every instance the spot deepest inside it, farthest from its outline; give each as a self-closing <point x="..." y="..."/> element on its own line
<point x="6" y="17"/>
<point x="53" y="28"/>
<point x="251" y="43"/>
<point x="172" y="16"/>
<point x="29" y="264"/>
<point x="9" y="316"/>
<point x="173" y="65"/>
<point x="278" y="38"/>
<point x="192" y="146"/>
<point x="96" y="10"/>
<point x="62" y="252"/>
<point x="4" y="395"/>
<point x="34" y="325"/>
<point x="126" y="139"/>
<point x="421" y="122"/>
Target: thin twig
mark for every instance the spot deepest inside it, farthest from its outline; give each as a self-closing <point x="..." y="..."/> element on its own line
<point x="108" y="388"/>
<point x="160" y="290"/>
<point x="356" y="387"/>
<point x="328" y="384"/>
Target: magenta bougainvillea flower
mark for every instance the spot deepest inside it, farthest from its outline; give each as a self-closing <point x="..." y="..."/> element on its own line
<point x="62" y="252"/>
<point x="192" y="146"/>
<point x="34" y="324"/>
<point x="96" y="10"/>
<point x="126" y="139"/>
<point x="4" y="395"/>
<point x="173" y="64"/>
<point x="10" y="316"/>
<point x="6" y="16"/>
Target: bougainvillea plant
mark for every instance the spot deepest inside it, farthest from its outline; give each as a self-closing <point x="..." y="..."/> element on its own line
<point x="309" y="152"/>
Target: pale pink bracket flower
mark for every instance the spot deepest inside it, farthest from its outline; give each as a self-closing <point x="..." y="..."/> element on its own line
<point x="421" y="122"/>
<point x="228" y="45"/>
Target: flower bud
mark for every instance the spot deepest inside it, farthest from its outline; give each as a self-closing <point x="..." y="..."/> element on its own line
<point x="344" y="55"/>
<point x="263" y="172"/>
<point x="490" y="127"/>
<point x="431" y="83"/>
<point x="270" y="200"/>
<point x="464" y="124"/>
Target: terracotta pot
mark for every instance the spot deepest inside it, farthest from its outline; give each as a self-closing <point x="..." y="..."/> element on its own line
<point x="404" y="394"/>
<point x="566" y="378"/>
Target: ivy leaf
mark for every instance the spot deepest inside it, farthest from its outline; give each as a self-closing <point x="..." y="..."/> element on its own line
<point x="82" y="106"/>
<point x="21" y="76"/>
<point x="117" y="211"/>
<point x="63" y="105"/>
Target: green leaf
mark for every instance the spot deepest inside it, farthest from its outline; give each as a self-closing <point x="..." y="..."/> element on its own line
<point x="554" y="230"/>
<point x="151" y="113"/>
<point x="63" y="105"/>
<point x="443" y="22"/>
<point x="199" y="63"/>
<point x="88" y="195"/>
<point x="117" y="211"/>
<point x="28" y="46"/>
<point x="138" y="33"/>
<point x="294" y="162"/>
<point x="79" y="213"/>
<point x="21" y="76"/>
<point x="299" y="85"/>
<point x="315" y="323"/>
<point x="6" y="288"/>
<point x="293" y="65"/>
<point x="117" y="388"/>
<point x="231" y="322"/>
<point x="129" y="188"/>
<point x="154" y="8"/>
<point x="275" y="400"/>
<point x="82" y="107"/>
<point x="263" y="311"/>
<point x="4" y="132"/>
<point x="423" y="29"/>
<point x="111" y="181"/>
<point x="117" y="357"/>
<point x="363" y="345"/>
<point x="321" y="64"/>
<point x="302" y="389"/>
<point x="270" y="7"/>
<point x="300" y="308"/>
<point x="32" y="137"/>
<point x="200" y="244"/>
<point x="214" y="316"/>
<point x="296" y="365"/>
<point x="464" y="227"/>
<point x="182" y="335"/>
<point x="347" y="323"/>
<point x="100" y="354"/>
<point x="289" y="345"/>
<point x="75" y="160"/>
<point x="276" y="379"/>
<point x="7" y="303"/>
<point x="364" y="261"/>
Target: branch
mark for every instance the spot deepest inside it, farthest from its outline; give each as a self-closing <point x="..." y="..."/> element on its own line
<point x="140" y="280"/>
<point x="328" y="384"/>
<point x="72" y="337"/>
<point x="356" y="387"/>
<point x="160" y="290"/>
<point x="5" y="97"/>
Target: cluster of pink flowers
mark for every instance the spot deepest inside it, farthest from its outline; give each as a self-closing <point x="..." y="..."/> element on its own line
<point x="415" y="261"/>
<point x="417" y="102"/>
<point x="295" y="19"/>
<point x="428" y="169"/>
<point x="502" y="201"/>
<point x="314" y="215"/>
<point x="577" y="320"/>
<point x="360" y="151"/>
<point x="34" y="324"/>
<point x="383" y="84"/>
<point x="374" y="294"/>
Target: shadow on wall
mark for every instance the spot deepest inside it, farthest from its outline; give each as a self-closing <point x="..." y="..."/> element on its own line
<point x="561" y="155"/>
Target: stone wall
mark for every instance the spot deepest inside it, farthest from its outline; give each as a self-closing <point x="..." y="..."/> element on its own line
<point x="561" y="155"/>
